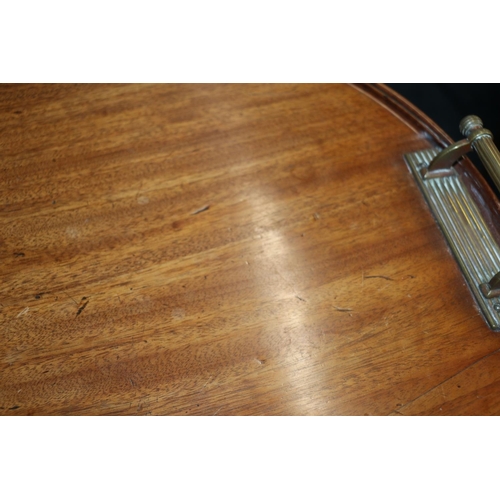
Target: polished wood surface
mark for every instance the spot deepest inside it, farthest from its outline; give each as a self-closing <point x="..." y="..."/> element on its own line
<point x="227" y="250"/>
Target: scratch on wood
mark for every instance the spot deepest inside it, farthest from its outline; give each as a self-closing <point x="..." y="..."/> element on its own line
<point x="216" y="412"/>
<point x="71" y="297"/>
<point x="82" y="308"/>
<point x="300" y="298"/>
<point x="342" y="309"/>
<point x="205" y="384"/>
<point x="380" y="276"/>
<point x="23" y="312"/>
<point x="202" y="209"/>
<point x="442" y="392"/>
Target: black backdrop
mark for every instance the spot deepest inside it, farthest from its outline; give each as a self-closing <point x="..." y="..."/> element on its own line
<point x="448" y="103"/>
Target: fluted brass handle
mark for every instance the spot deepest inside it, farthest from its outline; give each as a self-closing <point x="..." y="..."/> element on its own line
<point x="477" y="138"/>
<point x="481" y="140"/>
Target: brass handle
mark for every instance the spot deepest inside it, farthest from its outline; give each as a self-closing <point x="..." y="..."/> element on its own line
<point x="481" y="140"/>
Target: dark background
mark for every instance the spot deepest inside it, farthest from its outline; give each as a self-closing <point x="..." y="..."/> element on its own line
<point x="448" y="103"/>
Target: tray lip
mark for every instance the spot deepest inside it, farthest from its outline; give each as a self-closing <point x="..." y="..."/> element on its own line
<point x="406" y="112"/>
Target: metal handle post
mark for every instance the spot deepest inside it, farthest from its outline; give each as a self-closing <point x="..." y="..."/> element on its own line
<point x="481" y="140"/>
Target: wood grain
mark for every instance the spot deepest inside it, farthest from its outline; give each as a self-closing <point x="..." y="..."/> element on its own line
<point x="224" y="250"/>
<point x="470" y="392"/>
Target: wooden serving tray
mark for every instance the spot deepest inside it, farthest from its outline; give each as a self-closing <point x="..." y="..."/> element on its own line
<point x="229" y="250"/>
